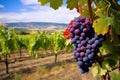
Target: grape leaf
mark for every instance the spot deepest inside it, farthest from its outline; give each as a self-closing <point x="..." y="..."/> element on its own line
<point x="102" y="71"/>
<point x="116" y="22"/>
<point x="55" y="4"/>
<point x="101" y="25"/>
<point x="115" y="76"/>
<point x="95" y="70"/>
<point x="43" y="2"/>
<point x="71" y="4"/>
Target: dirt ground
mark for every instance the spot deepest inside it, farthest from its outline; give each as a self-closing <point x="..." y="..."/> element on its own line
<point x="44" y="69"/>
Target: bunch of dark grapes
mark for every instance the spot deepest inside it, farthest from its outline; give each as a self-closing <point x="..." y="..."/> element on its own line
<point x="86" y="42"/>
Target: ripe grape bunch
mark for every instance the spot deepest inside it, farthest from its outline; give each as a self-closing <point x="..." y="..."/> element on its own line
<point x="86" y="42"/>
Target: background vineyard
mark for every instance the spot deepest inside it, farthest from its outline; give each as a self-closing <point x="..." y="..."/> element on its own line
<point x="36" y="45"/>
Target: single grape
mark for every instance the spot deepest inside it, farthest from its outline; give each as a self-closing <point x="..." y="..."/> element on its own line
<point x="79" y="45"/>
<point x="77" y="31"/>
<point x="78" y="50"/>
<point x="76" y="37"/>
<point x="77" y="54"/>
<point x="83" y="42"/>
<point x="71" y="35"/>
<point x="88" y="46"/>
<point x="73" y="41"/>
<point x="81" y="38"/>
<point x="72" y="30"/>
<point x="90" y="42"/>
<point x="82" y="48"/>
<point x="91" y="56"/>
<point x="97" y="42"/>
<point x="93" y="46"/>
<point x="85" y="30"/>
<point x="88" y="51"/>
<point x="82" y="71"/>
<point x="85" y="59"/>
<point x="82" y="54"/>
<point x="80" y="63"/>
<point x="83" y="34"/>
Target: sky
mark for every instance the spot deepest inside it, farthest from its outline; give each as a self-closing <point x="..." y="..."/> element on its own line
<point x="31" y="11"/>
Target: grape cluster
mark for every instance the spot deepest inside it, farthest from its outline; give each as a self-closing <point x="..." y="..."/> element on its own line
<point x="86" y="43"/>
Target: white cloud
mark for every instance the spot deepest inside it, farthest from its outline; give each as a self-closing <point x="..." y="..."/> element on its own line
<point x="43" y="14"/>
<point x="29" y="2"/>
<point x="2" y="6"/>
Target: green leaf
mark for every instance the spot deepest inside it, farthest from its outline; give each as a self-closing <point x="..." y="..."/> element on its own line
<point x="55" y="4"/>
<point x="95" y="70"/>
<point x="101" y="25"/>
<point x="102" y="71"/>
<point x="71" y="4"/>
<point x="115" y="76"/>
<point x="116" y="22"/>
<point x="43" y="2"/>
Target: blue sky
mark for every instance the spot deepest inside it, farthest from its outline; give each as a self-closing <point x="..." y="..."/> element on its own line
<point x="32" y="11"/>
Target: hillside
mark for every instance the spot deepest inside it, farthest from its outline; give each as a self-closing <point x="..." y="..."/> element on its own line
<point x="36" y="25"/>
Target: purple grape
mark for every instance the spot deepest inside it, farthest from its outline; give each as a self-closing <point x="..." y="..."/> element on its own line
<point x="73" y="40"/>
<point x="97" y="42"/>
<point x="85" y="59"/>
<point x="77" y="31"/>
<point x="80" y="63"/>
<point x="79" y="45"/>
<point x="83" y="34"/>
<point x="94" y="46"/>
<point x="82" y="54"/>
<point x="78" y="41"/>
<point x="78" y="49"/>
<point x="90" y="42"/>
<point x="77" y="54"/>
<point x="81" y="38"/>
<point x="90" y="56"/>
<point x="76" y="37"/>
<point x="92" y="50"/>
<point x="88" y="47"/>
<point x="88" y="51"/>
<point x="87" y="39"/>
<point x="96" y="36"/>
<point x="82" y="71"/>
<point x="85" y="30"/>
<point x="72" y="30"/>
<point x="83" y="42"/>
<point x="71" y="35"/>
<point x="82" y="48"/>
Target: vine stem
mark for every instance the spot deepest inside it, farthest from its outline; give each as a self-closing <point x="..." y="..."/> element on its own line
<point x="90" y="10"/>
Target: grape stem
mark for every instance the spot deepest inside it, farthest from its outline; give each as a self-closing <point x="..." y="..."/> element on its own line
<point x="90" y="10"/>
